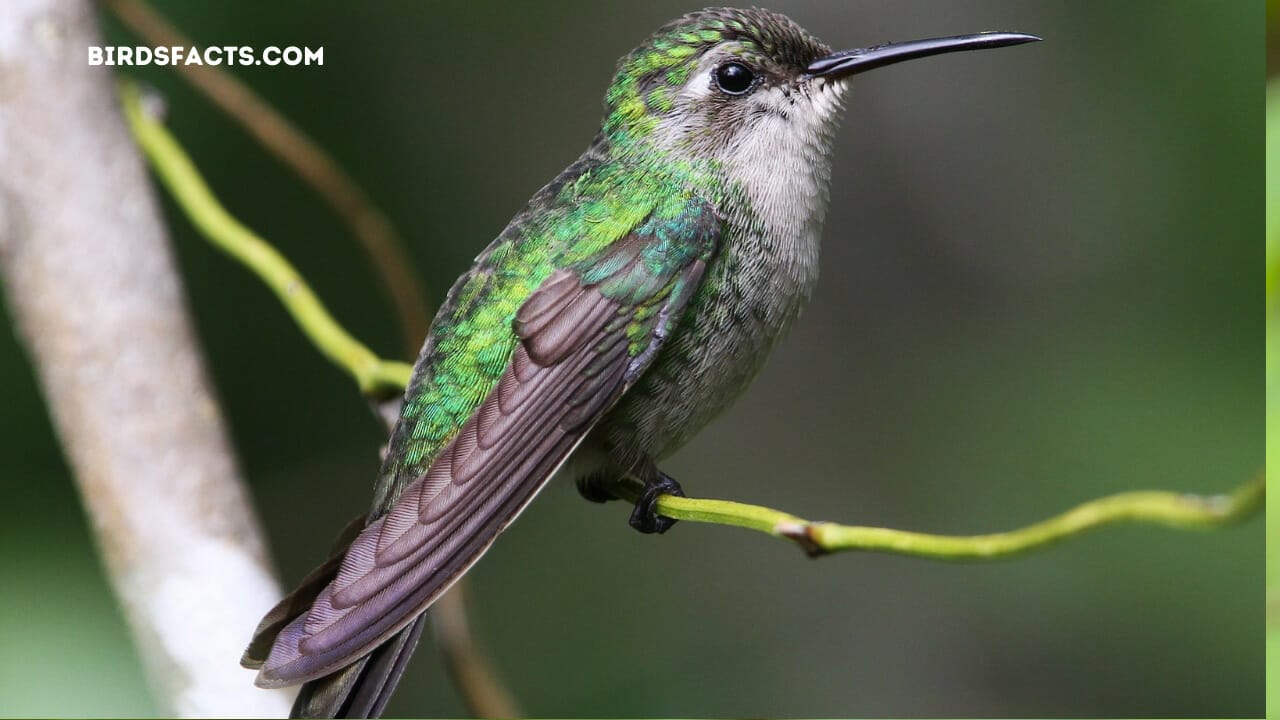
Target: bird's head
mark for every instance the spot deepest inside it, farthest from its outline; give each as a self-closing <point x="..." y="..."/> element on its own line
<point x="723" y="81"/>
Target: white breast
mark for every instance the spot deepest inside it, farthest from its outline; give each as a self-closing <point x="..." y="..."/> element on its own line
<point x="783" y="165"/>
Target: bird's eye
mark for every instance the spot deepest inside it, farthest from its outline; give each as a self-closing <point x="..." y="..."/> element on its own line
<point x="734" y="78"/>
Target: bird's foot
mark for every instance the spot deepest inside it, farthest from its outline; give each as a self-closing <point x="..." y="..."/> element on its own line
<point x="645" y="517"/>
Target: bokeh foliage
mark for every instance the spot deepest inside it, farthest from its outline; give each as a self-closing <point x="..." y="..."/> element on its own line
<point x="1273" y="385"/>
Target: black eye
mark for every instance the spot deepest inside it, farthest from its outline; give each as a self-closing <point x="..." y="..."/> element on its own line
<point x="734" y="78"/>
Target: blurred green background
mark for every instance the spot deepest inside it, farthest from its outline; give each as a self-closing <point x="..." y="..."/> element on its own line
<point x="1037" y="288"/>
<point x="1273" y="348"/>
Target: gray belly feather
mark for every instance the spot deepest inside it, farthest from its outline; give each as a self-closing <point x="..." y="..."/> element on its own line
<point x="753" y="291"/>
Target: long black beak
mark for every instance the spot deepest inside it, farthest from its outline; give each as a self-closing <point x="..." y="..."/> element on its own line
<point x="850" y="62"/>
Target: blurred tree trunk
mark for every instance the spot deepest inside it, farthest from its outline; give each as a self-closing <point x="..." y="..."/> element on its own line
<point x="91" y="281"/>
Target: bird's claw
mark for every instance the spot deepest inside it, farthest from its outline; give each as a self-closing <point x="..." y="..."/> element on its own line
<point x="645" y="517"/>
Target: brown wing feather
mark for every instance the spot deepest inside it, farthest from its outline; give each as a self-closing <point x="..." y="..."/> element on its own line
<point x="572" y="364"/>
<point x="297" y="602"/>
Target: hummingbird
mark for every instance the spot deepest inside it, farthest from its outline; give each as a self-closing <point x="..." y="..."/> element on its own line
<point x="631" y="301"/>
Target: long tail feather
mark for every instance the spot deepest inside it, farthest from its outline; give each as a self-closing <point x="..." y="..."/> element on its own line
<point x="362" y="689"/>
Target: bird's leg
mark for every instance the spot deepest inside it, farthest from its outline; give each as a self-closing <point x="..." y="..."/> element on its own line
<point x="598" y="487"/>
<point x="645" y="517"/>
<point x="604" y="486"/>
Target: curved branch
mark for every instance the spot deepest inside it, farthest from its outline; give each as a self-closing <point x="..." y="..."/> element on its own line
<point x="1181" y="511"/>
<point x="375" y="377"/>
<point x="275" y="133"/>
<point x="1154" y="507"/>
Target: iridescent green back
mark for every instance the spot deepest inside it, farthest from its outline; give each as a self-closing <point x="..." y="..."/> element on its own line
<point x="591" y="206"/>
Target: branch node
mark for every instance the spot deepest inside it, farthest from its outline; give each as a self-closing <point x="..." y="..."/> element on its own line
<point x="1219" y="505"/>
<point x="802" y="533"/>
<point x="152" y="103"/>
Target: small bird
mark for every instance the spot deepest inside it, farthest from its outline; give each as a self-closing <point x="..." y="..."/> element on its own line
<point x="623" y="308"/>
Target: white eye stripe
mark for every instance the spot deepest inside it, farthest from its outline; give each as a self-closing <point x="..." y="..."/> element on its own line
<point x="701" y="85"/>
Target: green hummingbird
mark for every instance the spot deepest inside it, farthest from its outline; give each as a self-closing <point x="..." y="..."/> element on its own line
<point x="623" y="308"/>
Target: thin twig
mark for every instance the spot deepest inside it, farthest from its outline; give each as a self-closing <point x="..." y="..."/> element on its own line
<point x="1176" y="510"/>
<point x="292" y="146"/>
<point x="472" y="672"/>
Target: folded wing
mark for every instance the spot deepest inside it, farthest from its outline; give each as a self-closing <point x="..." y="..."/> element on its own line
<point x="585" y="335"/>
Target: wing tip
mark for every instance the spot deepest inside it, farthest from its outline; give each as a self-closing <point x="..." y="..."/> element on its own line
<point x="286" y="664"/>
<point x="268" y="682"/>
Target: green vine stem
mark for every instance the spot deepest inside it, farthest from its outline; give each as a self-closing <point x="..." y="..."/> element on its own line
<point x="382" y="378"/>
<point x="375" y="377"/>
<point x="1155" y="507"/>
<point x="289" y="144"/>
